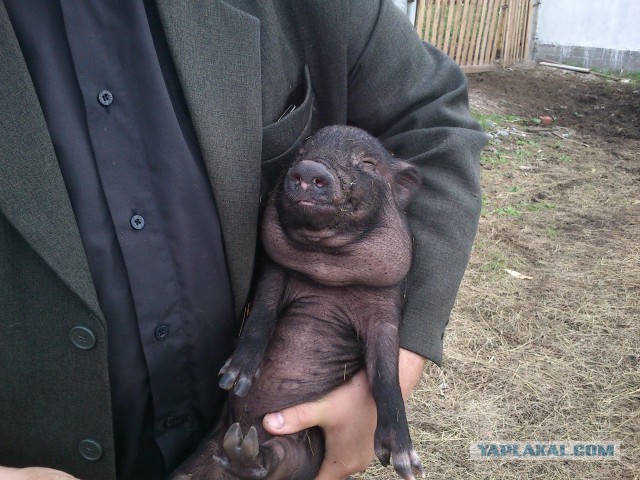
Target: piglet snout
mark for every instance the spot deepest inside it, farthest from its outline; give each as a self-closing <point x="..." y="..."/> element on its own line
<point x="309" y="176"/>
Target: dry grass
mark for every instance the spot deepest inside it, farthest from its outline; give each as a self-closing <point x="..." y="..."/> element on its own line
<point x="554" y="357"/>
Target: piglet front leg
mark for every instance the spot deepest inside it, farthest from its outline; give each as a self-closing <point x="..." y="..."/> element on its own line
<point x="392" y="439"/>
<point x="240" y="370"/>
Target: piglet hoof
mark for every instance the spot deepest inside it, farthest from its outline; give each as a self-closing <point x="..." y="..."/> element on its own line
<point x="408" y="464"/>
<point x="236" y="377"/>
<point x="405" y="462"/>
<point x="243" y="454"/>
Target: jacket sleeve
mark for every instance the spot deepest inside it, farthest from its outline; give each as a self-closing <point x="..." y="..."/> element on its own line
<point x="414" y="99"/>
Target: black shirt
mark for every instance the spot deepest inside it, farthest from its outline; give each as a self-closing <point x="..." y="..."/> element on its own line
<point x="146" y="213"/>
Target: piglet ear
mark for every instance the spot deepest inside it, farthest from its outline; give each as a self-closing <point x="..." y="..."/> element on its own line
<point x="406" y="183"/>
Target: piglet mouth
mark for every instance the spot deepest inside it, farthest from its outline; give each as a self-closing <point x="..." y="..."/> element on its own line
<point x="310" y="207"/>
<point x="306" y="212"/>
<point x="312" y="203"/>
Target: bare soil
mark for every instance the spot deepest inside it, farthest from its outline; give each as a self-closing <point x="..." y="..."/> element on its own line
<point x="593" y="106"/>
<point x="552" y="354"/>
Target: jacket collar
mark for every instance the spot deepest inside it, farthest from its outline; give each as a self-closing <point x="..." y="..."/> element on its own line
<point x="216" y="50"/>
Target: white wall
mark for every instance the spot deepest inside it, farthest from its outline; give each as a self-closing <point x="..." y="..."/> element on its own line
<point x="609" y="24"/>
<point x="408" y="7"/>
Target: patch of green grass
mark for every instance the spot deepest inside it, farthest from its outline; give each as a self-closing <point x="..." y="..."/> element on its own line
<point x="633" y="77"/>
<point x="491" y="121"/>
<point x="483" y="208"/>
<point x="537" y="206"/>
<point x="509" y="211"/>
<point x="495" y="158"/>
<point x="497" y="262"/>
<point x="523" y="154"/>
<point x="518" y="209"/>
<point x="503" y="156"/>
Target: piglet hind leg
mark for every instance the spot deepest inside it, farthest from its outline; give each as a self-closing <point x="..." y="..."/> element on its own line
<point x="288" y="457"/>
<point x="241" y="457"/>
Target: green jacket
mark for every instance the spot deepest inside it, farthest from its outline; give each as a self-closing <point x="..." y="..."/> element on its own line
<point x="358" y="62"/>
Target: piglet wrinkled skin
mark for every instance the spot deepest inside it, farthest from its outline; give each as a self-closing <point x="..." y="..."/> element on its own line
<point x="328" y="302"/>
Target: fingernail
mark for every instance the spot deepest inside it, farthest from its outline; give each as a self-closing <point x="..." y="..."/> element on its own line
<point x="276" y="420"/>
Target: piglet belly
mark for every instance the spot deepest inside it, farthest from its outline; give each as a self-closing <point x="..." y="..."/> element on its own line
<point x="307" y="357"/>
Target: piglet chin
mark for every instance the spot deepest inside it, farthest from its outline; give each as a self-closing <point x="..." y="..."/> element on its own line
<point x="312" y="225"/>
<point x="310" y="237"/>
<point x="329" y="240"/>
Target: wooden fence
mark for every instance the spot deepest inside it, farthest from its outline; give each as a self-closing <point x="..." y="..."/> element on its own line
<point x="478" y="34"/>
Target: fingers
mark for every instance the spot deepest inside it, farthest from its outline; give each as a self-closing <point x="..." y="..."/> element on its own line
<point x="294" y="419"/>
<point x="347" y="416"/>
<point x="33" y="473"/>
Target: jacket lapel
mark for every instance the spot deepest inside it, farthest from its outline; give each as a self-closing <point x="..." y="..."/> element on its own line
<point x="216" y="51"/>
<point x="33" y="196"/>
<point x="222" y="86"/>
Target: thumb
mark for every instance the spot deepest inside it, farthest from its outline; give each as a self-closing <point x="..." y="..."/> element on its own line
<point x="293" y="419"/>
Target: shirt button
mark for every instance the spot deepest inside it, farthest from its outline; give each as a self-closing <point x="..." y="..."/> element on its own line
<point x="90" y="449"/>
<point x="83" y="338"/>
<point x="162" y="332"/>
<point x="137" y="222"/>
<point x="105" y="97"/>
<point x="173" y="421"/>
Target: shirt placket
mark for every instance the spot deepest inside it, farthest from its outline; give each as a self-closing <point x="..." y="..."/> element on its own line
<point x="112" y="114"/>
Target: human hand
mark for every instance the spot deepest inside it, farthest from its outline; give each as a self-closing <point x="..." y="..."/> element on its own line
<point x="347" y="416"/>
<point x="33" y="473"/>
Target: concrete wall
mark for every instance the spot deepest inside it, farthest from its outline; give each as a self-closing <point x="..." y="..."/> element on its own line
<point x="590" y="33"/>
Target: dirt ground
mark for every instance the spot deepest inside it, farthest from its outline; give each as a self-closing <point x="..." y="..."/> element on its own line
<point x="593" y="106"/>
<point x="544" y="341"/>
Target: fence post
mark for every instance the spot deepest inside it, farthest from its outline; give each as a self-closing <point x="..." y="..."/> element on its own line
<point x="475" y="33"/>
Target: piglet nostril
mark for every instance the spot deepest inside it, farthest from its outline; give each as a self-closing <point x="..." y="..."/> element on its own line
<point x="309" y="175"/>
